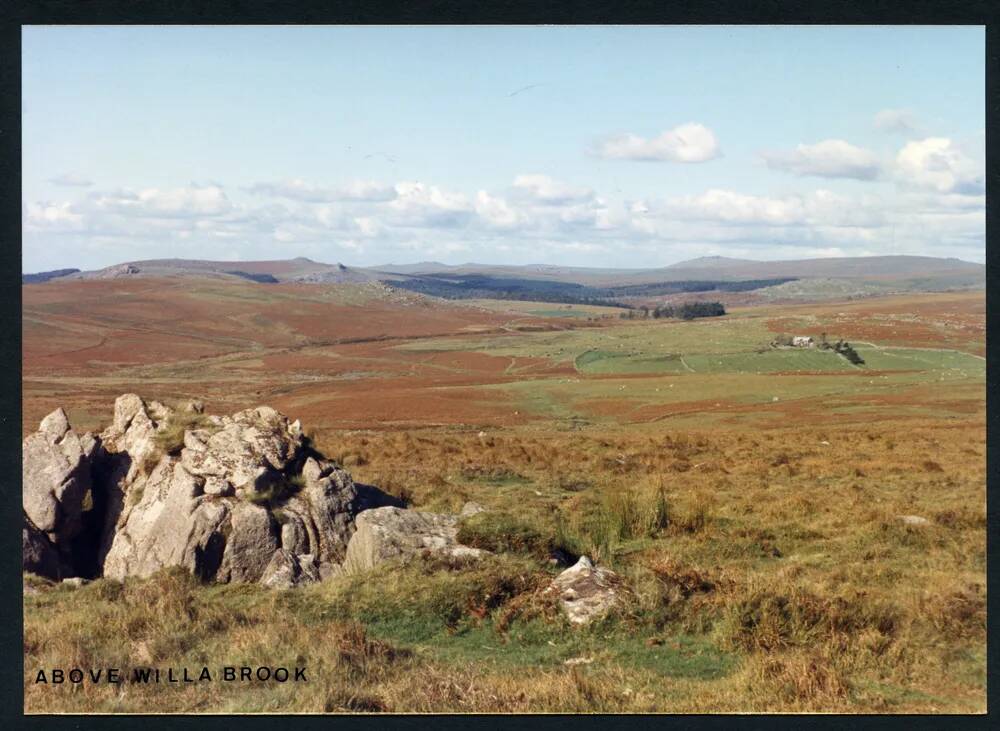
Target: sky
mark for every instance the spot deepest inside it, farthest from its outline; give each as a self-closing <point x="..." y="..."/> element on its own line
<point x="609" y="146"/>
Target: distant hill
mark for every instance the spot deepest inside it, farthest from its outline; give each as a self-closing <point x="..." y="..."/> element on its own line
<point x="767" y="280"/>
<point x="39" y="277"/>
<point x="300" y="269"/>
<point x="710" y="262"/>
<point x="549" y="272"/>
<point x="918" y="273"/>
<point x="936" y="272"/>
<point x="864" y="267"/>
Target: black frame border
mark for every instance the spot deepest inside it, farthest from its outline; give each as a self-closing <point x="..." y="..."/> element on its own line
<point x="14" y="14"/>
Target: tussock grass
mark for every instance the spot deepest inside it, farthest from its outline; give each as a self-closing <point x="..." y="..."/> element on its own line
<point x="768" y="620"/>
<point x="501" y="532"/>
<point x="277" y="493"/>
<point x="800" y="681"/>
<point x="170" y="438"/>
<point x="597" y="522"/>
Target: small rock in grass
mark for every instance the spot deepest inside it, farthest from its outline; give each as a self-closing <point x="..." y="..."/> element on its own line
<point x="586" y="592"/>
<point x="471" y="508"/>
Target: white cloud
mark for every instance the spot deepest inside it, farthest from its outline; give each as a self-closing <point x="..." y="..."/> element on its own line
<point x="299" y="190"/>
<point x="820" y="207"/>
<point x="54" y="216"/>
<point x="948" y="203"/>
<point x="427" y="206"/>
<point x="938" y="163"/>
<point x="539" y="220"/>
<point x="497" y="212"/>
<point x="544" y="189"/>
<point x="900" y="121"/>
<point x="691" y="142"/>
<point x="826" y="159"/>
<point x="329" y="217"/>
<point x="191" y="201"/>
<point x="71" y="180"/>
<point x="731" y="207"/>
<point x="368" y="227"/>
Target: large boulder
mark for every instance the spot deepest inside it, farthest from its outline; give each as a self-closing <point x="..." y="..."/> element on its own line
<point x="56" y="481"/>
<point x="389" y="533"/>
<point x="238" y="490"/>
<point x="586" y="592"/>
<point x="168" y="523"/>
<point x="248" y="450"/>
<point x="230" y="498"/>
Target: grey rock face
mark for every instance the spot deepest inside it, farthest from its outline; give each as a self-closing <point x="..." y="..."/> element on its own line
<point x="240" y="489"/>
<point x="56" y="474"/>
<point x="287" y="570"/>
<point x="294" y="537"/>
<point x="171" y="524"/>
<point x="253" y="540"/>
<point x="327" y="505"/>
<point x="247" y="448"/>
<point x="133" y="431"/>
<point x="388" y="533"/>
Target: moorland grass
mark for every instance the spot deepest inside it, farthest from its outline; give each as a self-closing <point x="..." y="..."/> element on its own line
<point x="754" y="519"/>
<point x="780" y="579"/>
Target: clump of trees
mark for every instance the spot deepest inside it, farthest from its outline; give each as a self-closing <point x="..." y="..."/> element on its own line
<point x="260" y="278"/>
<point x="843" y="348"/>
<point x="686" y="311"/>
<point x="654" y="289"/>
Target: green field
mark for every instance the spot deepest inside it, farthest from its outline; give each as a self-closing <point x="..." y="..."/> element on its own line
<point x="730" y="345"/>
<point x="643" y="339"/>
<point x="705" y="370"/>
<point x="922" y="359"/>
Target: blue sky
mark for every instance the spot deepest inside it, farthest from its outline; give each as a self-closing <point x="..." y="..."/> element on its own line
<point x="601" y="146"/>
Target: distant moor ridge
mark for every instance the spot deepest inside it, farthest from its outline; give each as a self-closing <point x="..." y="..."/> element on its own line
<point x="770" y="280"/>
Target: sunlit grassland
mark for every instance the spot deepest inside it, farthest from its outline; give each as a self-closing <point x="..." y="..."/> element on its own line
<point x="782" y="579"/>
<point x="651" y="337"/>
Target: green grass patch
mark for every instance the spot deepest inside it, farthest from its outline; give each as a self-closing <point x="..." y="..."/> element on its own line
<point x="919" y="359"/>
